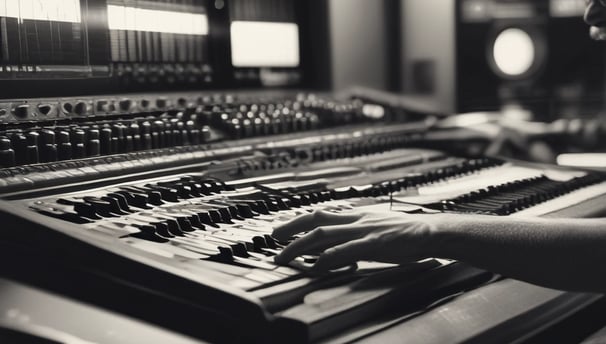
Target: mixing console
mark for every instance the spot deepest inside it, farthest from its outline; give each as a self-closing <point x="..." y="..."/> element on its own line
<point x="140" y="177"/>
<point x="190" y="196"/>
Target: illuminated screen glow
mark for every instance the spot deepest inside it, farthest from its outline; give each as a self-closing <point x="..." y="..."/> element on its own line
<point x="141" y="19"/>
<point x="514" y="52"/>
<point x="67" y="11"/>
<point x="582" y="159"/>
<point x="264" y="44"/>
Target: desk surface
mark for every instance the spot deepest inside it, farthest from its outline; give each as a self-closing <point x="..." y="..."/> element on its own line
<point x="33" y="313"/>
<point x="502" y="312"/>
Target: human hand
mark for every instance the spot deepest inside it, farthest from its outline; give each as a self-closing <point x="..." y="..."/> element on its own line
<point x="347" y="237"/>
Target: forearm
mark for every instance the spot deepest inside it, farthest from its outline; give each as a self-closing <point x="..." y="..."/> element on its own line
<point x="559" y="253"/>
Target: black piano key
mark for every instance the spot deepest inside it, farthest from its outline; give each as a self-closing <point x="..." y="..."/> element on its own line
<point x="61" y="214"/>
<point x="135" y="199"/>
<point x="240" y="250"/>
<point x="260" y="243"/>
<point x="115" y="205"/>
<point x="148" y="232"/>
<point x="154" y="197"/>
<point x="82" y="208"/>
<point x="102" y="207"/>
<point x="174" y="227"/>
<point x="122" y="201"/>
<point x="167" y="194"/>
<point x="245" y="210"/>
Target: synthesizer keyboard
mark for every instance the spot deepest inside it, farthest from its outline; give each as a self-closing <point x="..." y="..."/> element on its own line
<point x="167" y="214"/>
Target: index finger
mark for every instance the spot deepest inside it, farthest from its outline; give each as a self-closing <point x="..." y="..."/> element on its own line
<point x="307" y="222"/>
<point x="318" y="240"/>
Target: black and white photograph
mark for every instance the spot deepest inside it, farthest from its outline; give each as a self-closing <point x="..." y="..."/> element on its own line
<point x="302" y="171"/>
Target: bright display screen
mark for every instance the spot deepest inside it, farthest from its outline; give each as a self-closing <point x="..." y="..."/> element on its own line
<point x="264" y="44"/>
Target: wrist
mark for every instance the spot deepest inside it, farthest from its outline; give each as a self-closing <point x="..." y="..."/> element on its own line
<point x="450" y="233"/>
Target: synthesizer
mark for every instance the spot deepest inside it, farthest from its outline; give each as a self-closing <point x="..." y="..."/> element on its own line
<point x="172" y="211"/>
<point x="149" y="148"/>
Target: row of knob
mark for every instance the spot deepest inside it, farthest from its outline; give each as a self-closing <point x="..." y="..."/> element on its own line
<point x="306" y="112"/>
<point x="116" y="202"/>
<point x="45" y="109"/>
<point x="416" y="179"/>
<point x="163" y="73"/>
<point x="150" y="195"/>
<point x="236" y="120"/>
<point x="508" y="198"/>
<point x="326" y="152"/>
<point x="49" y="144"/>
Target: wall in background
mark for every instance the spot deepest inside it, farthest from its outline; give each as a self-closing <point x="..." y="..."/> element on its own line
<point x="428" y="47"/>
<point x="358" y="44"/>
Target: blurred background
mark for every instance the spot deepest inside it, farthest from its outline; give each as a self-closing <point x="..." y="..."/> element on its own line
<point x="506" y="61"/>
<point x="110" y="93"/>
<point x="520" y="78"/>
<point x="471" y="55"/>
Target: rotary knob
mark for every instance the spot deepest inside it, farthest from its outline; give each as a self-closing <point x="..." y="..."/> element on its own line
<point x="21" y="111"/>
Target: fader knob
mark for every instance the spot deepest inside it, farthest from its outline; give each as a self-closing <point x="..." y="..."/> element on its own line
<point x="135" y="133"/>
<point x="64" y="146"/>
<point x="105" y="136"/>
<point x="48" y="152"/>
<point x="146" y="138"/>
<point x="19" y="144"/>
<point x="32" y="148"/>
<point x="7" y="154"/>
<point x="78" y="146"/>
<point x="94" y="145"/>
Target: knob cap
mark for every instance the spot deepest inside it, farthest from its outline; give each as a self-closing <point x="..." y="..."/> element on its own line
<point x="21" y="111"/>
<point x="45" y="109"/>
<point x="161" y="103"/>
<point x="102" y="106"/>
<point x="125" y="104"/>
<point x="81" y="109"/>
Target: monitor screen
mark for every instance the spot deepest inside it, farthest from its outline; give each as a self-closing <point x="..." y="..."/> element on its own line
<point x="43" y="38"/>
<point x="158" y="31"/>
<point x="264" y="34"/>
<point x="264" y="44"/>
